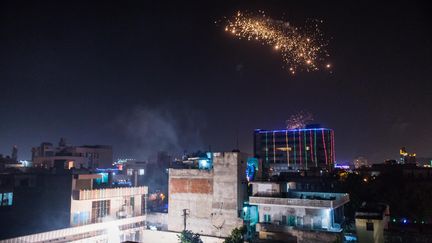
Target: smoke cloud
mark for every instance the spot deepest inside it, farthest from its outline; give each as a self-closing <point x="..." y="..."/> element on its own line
<point x="173" y="129"/>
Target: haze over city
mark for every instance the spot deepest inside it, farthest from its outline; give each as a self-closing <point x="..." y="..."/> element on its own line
<point x="93" y="72"/>
<point x="215" y="122"/>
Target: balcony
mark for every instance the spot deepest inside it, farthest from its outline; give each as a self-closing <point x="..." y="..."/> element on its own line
<point x="270" y="227"/>
<point x="108" y="193"/>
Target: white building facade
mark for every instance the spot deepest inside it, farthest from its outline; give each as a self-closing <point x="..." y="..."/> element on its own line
<point x="288" y="213"/>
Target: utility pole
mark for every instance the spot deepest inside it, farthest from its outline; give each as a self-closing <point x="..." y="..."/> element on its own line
<point x="185" y="214"/>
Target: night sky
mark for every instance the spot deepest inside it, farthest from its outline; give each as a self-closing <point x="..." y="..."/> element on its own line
<point x="146" y="76"/>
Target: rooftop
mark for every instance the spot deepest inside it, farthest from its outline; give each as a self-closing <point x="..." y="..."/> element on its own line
<point x="292" y="130"/>
<point x="371" y="211"/>
<point x="109" y="193"/>
<point x="302" y="199"/>
<point x="96" y="146"/>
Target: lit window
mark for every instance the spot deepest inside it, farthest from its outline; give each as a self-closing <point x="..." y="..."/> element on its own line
<point x="141" y="171"/>
<point x="80" y="218"/>
<point x="70" y="164"/>
<point x="103" y="179"/>
<point x="6" y="199"/>
<point x="129" y="172"/>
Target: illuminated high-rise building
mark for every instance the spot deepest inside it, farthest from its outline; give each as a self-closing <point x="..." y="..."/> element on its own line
<point x="296" y="149"/>
<point x="406" y="158"/>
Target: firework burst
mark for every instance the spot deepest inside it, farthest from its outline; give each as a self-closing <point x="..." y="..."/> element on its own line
<point x="302" y="49"/>
<point x="299" y="120"/>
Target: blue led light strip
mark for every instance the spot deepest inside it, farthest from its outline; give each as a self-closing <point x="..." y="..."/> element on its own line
<point x="287" y="147"/>
<point x="274" y="148"/>
<point x="266" y="150"/>
<point x="300" y="149"/>
<point x="295" y="152"/>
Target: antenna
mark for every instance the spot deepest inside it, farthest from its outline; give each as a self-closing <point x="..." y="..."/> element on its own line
<point x="236" y="149"/>
<point x="237" y="138"/>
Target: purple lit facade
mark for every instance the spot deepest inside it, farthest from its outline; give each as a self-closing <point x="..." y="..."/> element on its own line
<point x="298" y="149"/>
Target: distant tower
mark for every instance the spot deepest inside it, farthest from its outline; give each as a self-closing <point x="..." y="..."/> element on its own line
<point x="62" y="142"/>
<point x="14" y="153"/>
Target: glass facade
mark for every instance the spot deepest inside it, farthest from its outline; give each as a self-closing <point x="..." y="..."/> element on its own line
<point x="297" y="149"/>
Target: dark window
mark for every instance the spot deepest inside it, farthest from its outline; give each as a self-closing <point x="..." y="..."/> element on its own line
<point x="100" y="209"/>
<point x="284" y="219"/>
<point x="369" y="227"/>
<point x="144" y="204"/>
<point x="132" y="203"/>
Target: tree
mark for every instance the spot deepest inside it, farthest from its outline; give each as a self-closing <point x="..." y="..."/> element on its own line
<point x="187" y="236"/>
<point x="236" y="235"/>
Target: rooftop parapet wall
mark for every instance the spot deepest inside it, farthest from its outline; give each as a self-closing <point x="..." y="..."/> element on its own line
<point x="317" y="195"/>
<point x="295" y="202"/>
<point x="188" y="173"/>
<point x="109" y="193"/>
<point x="80" y="233"/>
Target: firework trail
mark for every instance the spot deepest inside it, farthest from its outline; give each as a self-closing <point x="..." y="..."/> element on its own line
<point x="302" y="49"/>
<point x="299" y="120"/>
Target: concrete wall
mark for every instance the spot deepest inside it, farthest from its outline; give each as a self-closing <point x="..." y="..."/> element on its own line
<point x="116" y="204"/>
<point x="83" y="184"/>
<point x="213" y="198"/>
<point x="265" y="188"/>
<point x="229" y="191"/>
<point x="192" y="190"/>
<point x="104" y="158"/>
<point x="375" y="236"/>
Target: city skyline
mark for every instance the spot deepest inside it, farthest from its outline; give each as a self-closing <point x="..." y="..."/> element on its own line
<point x="117" y="73"/>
